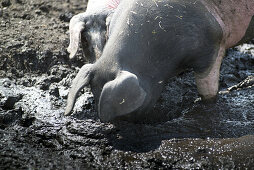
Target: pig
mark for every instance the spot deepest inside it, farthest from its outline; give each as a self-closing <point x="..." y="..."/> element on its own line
<point x="90" y="28"/>
<point x="153" y="40"/>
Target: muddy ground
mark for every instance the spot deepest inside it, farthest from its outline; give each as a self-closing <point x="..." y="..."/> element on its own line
<point x="180" y="132"/>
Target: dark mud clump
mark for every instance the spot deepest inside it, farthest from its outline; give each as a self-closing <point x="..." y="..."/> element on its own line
<point x="180" y="132"/>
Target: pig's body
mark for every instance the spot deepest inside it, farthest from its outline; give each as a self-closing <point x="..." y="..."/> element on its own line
<point x="151" y="41"/>
<point x="235" y="18"/>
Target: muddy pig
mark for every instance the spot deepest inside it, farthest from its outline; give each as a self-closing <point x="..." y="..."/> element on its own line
<point x="90" y="28"/>
<point x="153" y="40"/>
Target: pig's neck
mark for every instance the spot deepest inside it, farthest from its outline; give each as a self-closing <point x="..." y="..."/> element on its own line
<point x="233" y="16"/>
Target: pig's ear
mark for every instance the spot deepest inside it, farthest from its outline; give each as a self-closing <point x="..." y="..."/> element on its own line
<point x="80" y="81"/>
<point x="77" y="25"/>
<point x="120" y="96"/>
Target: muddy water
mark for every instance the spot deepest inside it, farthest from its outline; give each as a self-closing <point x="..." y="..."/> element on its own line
<point x="180" y="132"/>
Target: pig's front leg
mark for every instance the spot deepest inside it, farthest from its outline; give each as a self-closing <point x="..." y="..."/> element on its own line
<point x="208" y="82"/>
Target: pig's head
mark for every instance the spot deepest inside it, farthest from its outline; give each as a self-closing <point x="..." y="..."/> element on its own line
<point x="90" y="30"/>
<point x="116" y="94"/>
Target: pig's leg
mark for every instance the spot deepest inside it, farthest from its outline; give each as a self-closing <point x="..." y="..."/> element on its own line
<point x="208" y="82"/>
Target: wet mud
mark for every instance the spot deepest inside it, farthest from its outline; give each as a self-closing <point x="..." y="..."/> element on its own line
<point x="180" y="132"/>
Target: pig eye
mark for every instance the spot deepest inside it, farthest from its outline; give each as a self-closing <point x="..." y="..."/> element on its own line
<point x="89" y="23"/>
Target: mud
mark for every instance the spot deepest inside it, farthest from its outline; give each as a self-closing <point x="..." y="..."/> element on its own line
<point x="180" y="132"/>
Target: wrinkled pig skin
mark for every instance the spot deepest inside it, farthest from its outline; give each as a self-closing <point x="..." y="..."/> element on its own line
<point x="151" y="41"/>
